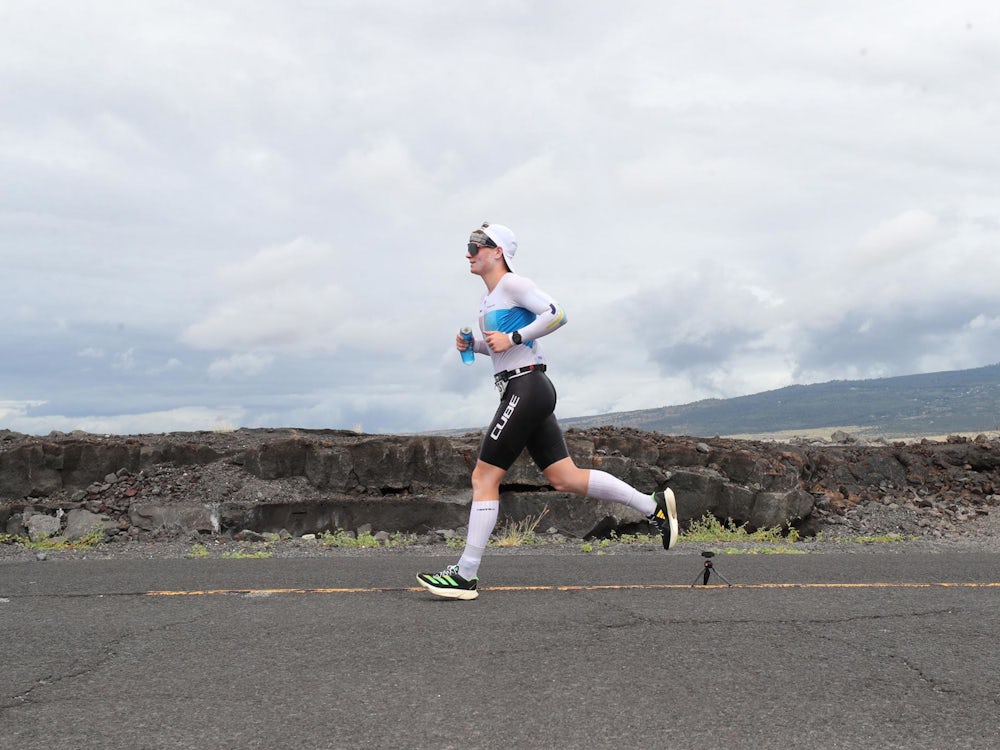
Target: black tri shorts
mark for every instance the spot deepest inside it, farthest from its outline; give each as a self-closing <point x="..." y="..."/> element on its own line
<point x="525" y="419"/>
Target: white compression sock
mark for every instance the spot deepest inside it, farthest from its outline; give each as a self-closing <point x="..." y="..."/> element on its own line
<point x="482" y="519"/>
<point x="603" y="486"/>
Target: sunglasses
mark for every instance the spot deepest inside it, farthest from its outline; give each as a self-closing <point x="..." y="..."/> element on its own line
<point x="474" y="248"/>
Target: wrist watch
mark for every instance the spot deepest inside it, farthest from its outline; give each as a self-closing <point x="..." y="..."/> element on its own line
<point x="516" y="338"/>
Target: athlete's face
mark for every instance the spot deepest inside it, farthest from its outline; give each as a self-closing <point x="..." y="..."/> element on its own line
<point x="483" y="259"/>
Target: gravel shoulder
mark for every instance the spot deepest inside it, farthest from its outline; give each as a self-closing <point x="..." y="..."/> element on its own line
<point x="977" y="536"/>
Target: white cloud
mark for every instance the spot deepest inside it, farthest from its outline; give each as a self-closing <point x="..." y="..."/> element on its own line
<point x="284" y="298"/>
<point x="384" y="165"/>
<point x="183" y="419"/>
<point x="124" y="360"/>
<point x="12" y="411"/>
<point x="985" y="323"/>
<point x="240" y="365"/>
<point x="171" y="364"/>
<point x="899" y="238"/>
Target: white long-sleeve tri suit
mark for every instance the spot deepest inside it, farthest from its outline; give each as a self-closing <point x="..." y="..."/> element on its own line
<point x="525" y="417"/>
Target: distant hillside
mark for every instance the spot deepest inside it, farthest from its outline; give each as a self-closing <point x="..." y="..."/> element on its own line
<point x="911" y="405"/>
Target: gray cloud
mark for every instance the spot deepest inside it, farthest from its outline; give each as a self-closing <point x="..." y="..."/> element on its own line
<point x="256" y="213"/>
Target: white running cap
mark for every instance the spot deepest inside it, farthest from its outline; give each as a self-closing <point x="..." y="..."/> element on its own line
<point x="504" y="239"/>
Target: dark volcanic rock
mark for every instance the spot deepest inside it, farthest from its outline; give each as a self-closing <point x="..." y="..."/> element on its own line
<point x="314" y="480"/>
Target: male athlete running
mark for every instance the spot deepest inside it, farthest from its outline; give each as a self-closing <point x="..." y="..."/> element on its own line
<point x="514" y="315"/>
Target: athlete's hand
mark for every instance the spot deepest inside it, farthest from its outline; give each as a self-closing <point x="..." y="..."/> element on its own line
<point x="498" y="341"/>
<point x="462" y="343"/>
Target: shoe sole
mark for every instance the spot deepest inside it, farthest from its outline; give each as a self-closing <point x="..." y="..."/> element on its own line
<point x="668" y="495"/>
<point x="461" y="594"/>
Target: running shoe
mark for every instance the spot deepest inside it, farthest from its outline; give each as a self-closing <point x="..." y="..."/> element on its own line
<point x="448" y="584"/>
<point x="665" y="517"/>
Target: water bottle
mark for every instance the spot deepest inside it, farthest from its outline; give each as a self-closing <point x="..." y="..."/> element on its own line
<point x="468" y="355"/>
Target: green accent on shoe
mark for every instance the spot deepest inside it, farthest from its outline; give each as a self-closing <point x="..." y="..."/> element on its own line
<point x="448" y="584"/>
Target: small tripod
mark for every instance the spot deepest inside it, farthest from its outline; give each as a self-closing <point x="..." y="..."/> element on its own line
<point x="709" y="569"/>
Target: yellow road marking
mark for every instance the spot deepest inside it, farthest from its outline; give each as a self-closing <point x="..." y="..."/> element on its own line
<point x="610" y="587"/>
<point x="261" y="592"/>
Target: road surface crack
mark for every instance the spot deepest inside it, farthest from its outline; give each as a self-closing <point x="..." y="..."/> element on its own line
<point x="82" y="667"/>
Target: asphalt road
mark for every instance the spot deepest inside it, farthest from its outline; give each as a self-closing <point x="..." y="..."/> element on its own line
<point x="564" y="651"/>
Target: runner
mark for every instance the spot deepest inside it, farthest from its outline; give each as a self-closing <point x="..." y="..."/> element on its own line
<point x="514" y="315"/>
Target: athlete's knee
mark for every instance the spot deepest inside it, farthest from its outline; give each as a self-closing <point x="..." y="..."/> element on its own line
<point x="561" y="484"/>
<point x="484" y="487"/>
<point x="565" y="476"/>
<point x="486" y="480"/>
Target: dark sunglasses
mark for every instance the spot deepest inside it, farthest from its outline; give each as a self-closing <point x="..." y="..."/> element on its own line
<point x="475" y="248"/>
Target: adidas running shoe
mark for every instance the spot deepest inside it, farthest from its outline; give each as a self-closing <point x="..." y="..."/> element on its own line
<point x="665" y="517"/>
<point x="449" y="584"/>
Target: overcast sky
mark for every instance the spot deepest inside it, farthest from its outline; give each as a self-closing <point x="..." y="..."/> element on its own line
<point x="245" y="214"/>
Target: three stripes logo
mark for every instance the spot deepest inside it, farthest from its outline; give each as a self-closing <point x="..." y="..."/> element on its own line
<point x="440" y="580"/>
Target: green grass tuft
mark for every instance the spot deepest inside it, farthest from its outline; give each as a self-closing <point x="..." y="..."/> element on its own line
<point x="87" y="541"/>
<point x="519" y="533"/>
<point x="241" y="554"/>
<point x="340" y="538"/>
<point x="708" y="528"/>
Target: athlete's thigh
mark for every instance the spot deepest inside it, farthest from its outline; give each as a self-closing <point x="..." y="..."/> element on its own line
<point x="547" y="444"/>
<point x="526" y="405"/>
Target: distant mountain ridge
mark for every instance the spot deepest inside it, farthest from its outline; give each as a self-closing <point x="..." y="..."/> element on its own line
<point x="905" y="406"/>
